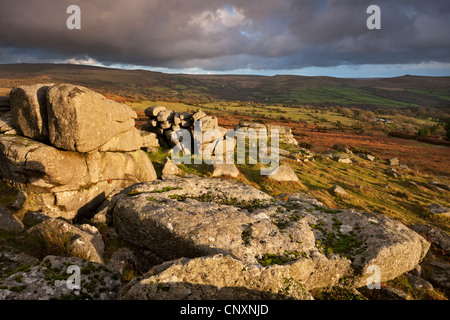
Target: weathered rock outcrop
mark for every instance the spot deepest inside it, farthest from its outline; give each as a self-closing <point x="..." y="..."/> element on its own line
<point x="88" y="146"/>
<point x="194" y="217"/>
<point x="82" y="120"/>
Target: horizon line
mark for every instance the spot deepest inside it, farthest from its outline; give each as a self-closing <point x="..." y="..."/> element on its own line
<point x="209" y="73"/>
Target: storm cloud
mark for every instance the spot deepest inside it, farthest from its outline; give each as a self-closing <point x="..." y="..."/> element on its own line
<point x="226" y="35"/>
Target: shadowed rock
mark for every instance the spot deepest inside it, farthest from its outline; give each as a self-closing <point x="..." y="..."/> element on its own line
<point x="283" y="173"/>
<point x="29" y="110"/>
<point x="48" y="281"/>
<point x="84" y="242"/>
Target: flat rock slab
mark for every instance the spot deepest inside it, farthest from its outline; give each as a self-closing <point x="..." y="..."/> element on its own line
<point x="47" y="280"/>
<point x="196" y="217"/>
<point x="216" y="277"/>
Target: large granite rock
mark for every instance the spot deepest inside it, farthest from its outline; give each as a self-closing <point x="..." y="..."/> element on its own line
<point x="216" y="277"/>
<point x="67" y="180"/>
<point x="437" y="236"/>
<point x="82" y="120"/>
<point x="29" y="110"/>
<point x="194" y="217"/>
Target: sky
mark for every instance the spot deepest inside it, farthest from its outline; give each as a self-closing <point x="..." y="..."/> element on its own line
<point x="266" y="37"/>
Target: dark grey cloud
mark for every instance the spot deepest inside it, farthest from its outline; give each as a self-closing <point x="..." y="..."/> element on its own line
<point x="226" y="35"/>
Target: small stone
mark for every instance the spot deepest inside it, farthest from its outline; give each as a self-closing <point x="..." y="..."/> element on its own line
<point x="393" y="173"/>
<point x="166" y="115"/>
<point x="165" y="125"/>
<point x="154" y="111"/>
<point x="121" y="259"/>
<point x="418" y="283"/>
<point x="20" y="201"/>
<point x="339" y="190"/>
<point x="393" y="161"/>
<point x="87" y="243"/>
<point x="100" y="217"/>
<point x="170" y="168"/>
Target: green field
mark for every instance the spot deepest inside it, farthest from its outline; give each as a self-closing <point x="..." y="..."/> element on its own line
<point x="139" y="85"/>
<point x="325" y="117"/>
<point x="342" y="96"/>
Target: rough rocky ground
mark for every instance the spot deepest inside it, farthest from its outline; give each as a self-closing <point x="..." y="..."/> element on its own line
<point x="192" y="237"/>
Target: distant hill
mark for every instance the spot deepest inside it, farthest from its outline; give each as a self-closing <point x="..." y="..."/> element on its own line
<point x="398" y="92"/>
